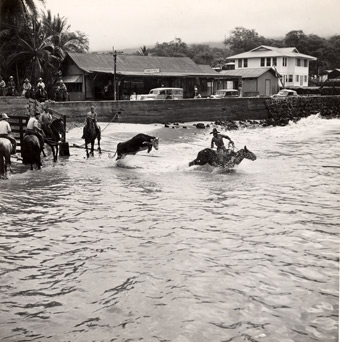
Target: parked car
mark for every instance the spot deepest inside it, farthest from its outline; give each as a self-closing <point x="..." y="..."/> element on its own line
<point x="161" y="94"/>
<point x="285" y="93"/>
<point x="221" y="93"/>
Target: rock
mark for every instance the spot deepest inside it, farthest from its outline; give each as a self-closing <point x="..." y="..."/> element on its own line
<point x="200" y="125"/>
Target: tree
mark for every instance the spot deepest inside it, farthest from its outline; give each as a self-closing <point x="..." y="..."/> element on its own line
<point x="200" y="53"/>
<point x="143" y="51"/>
<point x="242" y="39"/>
<point x="13" y="21"/>
<point x="296" y="39"/>
<point x="12" y="12"/>
<point x="175" y="48"/>
<point x="34" y="49"/>
<point x="62" y="38"/>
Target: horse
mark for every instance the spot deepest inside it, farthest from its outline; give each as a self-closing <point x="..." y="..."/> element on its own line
<point x="5" y="156"/>
<point x="226" y="160"/>
<point x="31" y="150"/>
<point x="54" y="132"/>
<point x="91" y="133"/>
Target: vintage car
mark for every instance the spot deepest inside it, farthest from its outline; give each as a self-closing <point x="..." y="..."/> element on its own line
<point x="160" y="94"/>
<point x="222" y="93"/>
<point x="284" y="93"/>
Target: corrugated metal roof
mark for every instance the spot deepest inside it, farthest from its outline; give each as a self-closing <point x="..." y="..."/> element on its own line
<point x="72" y="79"/>
<point x="141" y="65"/>
<point x="272" y="51"/>
<point x="247" y="73"/>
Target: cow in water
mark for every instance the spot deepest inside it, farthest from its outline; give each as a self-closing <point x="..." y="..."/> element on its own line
<point x="140" y="142"/>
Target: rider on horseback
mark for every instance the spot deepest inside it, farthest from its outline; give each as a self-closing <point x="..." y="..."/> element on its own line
<point x="33" y="128"/>
<point x="218" y="141"/>
<point x="5" y="130"/>
<point x="91" y="115"/>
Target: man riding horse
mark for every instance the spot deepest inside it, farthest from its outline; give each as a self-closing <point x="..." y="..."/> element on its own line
<point x="5" y="131"/>
<point x="91" y="115"/>
<point x="34" y="128"/>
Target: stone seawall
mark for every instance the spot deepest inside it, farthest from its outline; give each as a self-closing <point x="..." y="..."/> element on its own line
<point x="188" y="110"/>
<point x="283" y="110"/>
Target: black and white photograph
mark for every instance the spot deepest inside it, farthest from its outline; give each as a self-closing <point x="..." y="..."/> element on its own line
<point x="169" y="171"/>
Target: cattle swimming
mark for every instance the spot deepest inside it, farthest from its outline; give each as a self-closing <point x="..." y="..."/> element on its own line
<point x="140" y="142"/>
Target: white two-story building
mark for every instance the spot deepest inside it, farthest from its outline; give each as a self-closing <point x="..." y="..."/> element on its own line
<point x="292" y="66"/>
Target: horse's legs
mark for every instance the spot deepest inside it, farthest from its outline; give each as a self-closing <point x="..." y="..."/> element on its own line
<point x="99" y="149"/>
<point x="92" y="148"/>
<point x="8" y="162"/>
<point x="87" y="150"/>
<point x="54" y="152"/>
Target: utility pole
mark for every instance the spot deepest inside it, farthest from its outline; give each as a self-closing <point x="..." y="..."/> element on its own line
<point x="114" y="74"/>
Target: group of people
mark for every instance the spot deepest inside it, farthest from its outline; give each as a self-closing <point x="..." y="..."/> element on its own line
<point x="39" y="92"/>
<point x="8" y="89"/>
<point x="37" y="125"/>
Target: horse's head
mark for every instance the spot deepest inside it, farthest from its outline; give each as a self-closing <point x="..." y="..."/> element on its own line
<point x="248" y="154"/>
<point x="155" y="143"/>
<point x="59" y="126"/>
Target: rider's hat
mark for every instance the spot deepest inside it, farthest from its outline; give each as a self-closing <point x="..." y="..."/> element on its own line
<point x="4" y="116"/>
<point x="214" y="131"/>
<point x="11" y="77"/>
<point x="37" y="113"/>
<point x="40" y="79"/>
<point x="26" y="80"/>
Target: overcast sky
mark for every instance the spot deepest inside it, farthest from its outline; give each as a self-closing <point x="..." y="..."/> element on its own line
<point x="134" y="23"/>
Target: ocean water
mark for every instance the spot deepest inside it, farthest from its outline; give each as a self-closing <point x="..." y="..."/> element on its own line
<point x="149" y="249"/>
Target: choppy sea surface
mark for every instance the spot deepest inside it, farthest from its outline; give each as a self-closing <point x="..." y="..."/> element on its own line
<point x="148" y="249"/>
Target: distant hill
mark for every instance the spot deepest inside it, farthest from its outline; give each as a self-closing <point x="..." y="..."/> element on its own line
<point x="135" y="49"/>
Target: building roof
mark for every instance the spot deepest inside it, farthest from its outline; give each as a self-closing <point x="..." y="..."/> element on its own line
<point x="272" y="51"/>
<point x="248" y="73"/>
<point x="141" y="65"/>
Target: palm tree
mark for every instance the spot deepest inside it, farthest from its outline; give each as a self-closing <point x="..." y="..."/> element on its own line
<point x="34" y="49"/>
<point x="143" y="51"/>
<point x="13" y="14"/>
<point x="63" y="39"/>
<point x="13" y="11"/>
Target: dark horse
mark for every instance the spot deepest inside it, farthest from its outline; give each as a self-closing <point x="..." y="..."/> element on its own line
<point x="213" y="158"/>
<point x="31" y="150"/>
<point x="91" y="133"/>
<point x="5" y="156"/>
<point x="54" y="133"/>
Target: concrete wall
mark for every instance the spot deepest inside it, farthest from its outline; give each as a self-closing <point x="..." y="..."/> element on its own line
<point x="185" y="110"/>
<point x="166" y="111"/>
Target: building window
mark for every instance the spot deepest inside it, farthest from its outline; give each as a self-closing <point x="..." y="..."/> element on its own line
<point x="305" y="63"/>
<point x="274" y="61"/>
<point x="262" y="61"/>
<point x="297" y="78"/>
<point x="240" y="63"/>
<point x="290" y="78"/>
<point x="74" y="87"/>
<point x="298" y="62"/>
<point x="268" y="61"/>
<point x="245" y="63"/>
<point x="284" y="61"/>
<point x="305" y="78"/>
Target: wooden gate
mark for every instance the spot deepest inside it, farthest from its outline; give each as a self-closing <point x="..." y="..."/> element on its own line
<point x="18" y="125"/>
